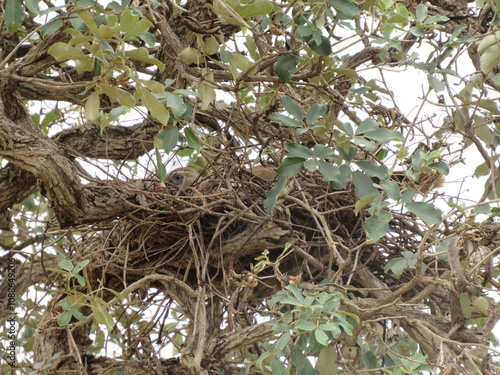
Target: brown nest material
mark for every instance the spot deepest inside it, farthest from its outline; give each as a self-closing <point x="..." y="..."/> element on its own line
<point x="222" y="235"/>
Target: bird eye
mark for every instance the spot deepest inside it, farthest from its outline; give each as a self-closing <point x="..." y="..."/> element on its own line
<point x="176" y="179"/>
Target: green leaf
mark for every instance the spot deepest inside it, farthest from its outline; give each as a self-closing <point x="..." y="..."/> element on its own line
<point x="64" y="318"/>
<point x="397" y="266"/>
<point x="364" y="201"/>
<point x="264" y="357"/>
<point x="88" y="19"/>
<point x="207" y="95"/>
<point x="370" y="360"/>
<point x="392" y="189"/>
<point x="153" y="86"/>
<point x="297" y="150"/>
<point x="157" y="110"/>
<point x="321" y="337"/>
<point x="127" y="20"/>
<point x="184" y="92"/>
<point x="292" y="108"/>
<point x="305" y="325"/>
<point x="226" y="56"/>
<point x="66" y="265"/>
<point x="297" y="293"/>
<point x="161" y="172"/>
<point x="85" y="64"/>
<point x="192" y="139"/>
<point x="482" y="304"/>
<point x="285" y="66"/>
<point x="92" y="106"/>
<point x="323" y="152"/>
<point x="63" y="52"/>
<point x="460" y="208"/>
<point x="315" y="112"/>
<point x="421" y="12"/>
<point x="441" y="166"/>
<point x="177" y="105"/>
<point x="102" y="316"/>
<point x="118" y="111"/>
<point x="363" y="183"/>
<point x="483" y="209"/>
<point x="417" y="31"/>
<point x="32" y="6"/>
<point x="436" y="20"/>
<point x="149" y="38"/>
<point x="142" y="54"/>
<point x="345" y="6"/>
<point x="290" y="166"/>
<point x="465" y="305"/>
<point x="285" y="120"/>
<point x="190" y="55"/>
<point x="311" y="165"/>
<point x="345" y="177"/>
<point x="408" y="195"/>
<point x="283" y="341"/>
<point x="330" y="327"/>
<point x="351" y="73"/>
<point x="482" y="170"/>
<point x="324" y="48"/>
<point x="436" y="84"/>
<point x="297" y="357"/>
<point x="305" y="30"/>
<point x="384" y="135"/>
<point x="120" y="296"/>
<point x="51" y="27"/>
<point x="289" y="300"/>
<point x="209" y="46"/>
<point x="80" y="265"/>
<point x="273" y="195"/>
<point x="258" y="8"/>
<point x="372" y="169"/>
<point x="169" y="82"/>
<point x="14" y="14"/>
<point x="397" y="18"/>
<point x="489" y="50"/>
<point x="369" y="145"/>
<point x="496" y="79"/>
<point x="367" y="125"/>
<point x="80" y="280"/>
<point x="116" y="94"/>
<point x="168" y="138"/>
<point x="65" y="304"/>
<point x="425" y="211"/>
<point x="314" y="345"/>
<point x="401" y="9"/>
<point x="326" y="358"/>
<point x="376" y="226"/>
<point x="349" y="155"/>
<point x="105" y="32"/>
<point x="78" y="315"/>
<point x="139" y="28"/>
<point x="330" y="172"/>
<point x="277" y="367"/>
<point x="495" y="191"/>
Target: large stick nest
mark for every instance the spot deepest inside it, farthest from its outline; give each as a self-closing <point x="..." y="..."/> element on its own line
<point x="214" y="230"/>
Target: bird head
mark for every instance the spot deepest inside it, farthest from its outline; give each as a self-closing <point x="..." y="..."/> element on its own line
<point x="182" y="177"/>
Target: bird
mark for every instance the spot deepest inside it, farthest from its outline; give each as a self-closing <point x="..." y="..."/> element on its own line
<point x="263" y="172"/>
<point x="182" y="177"/>
<point x="185" y="177"/>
